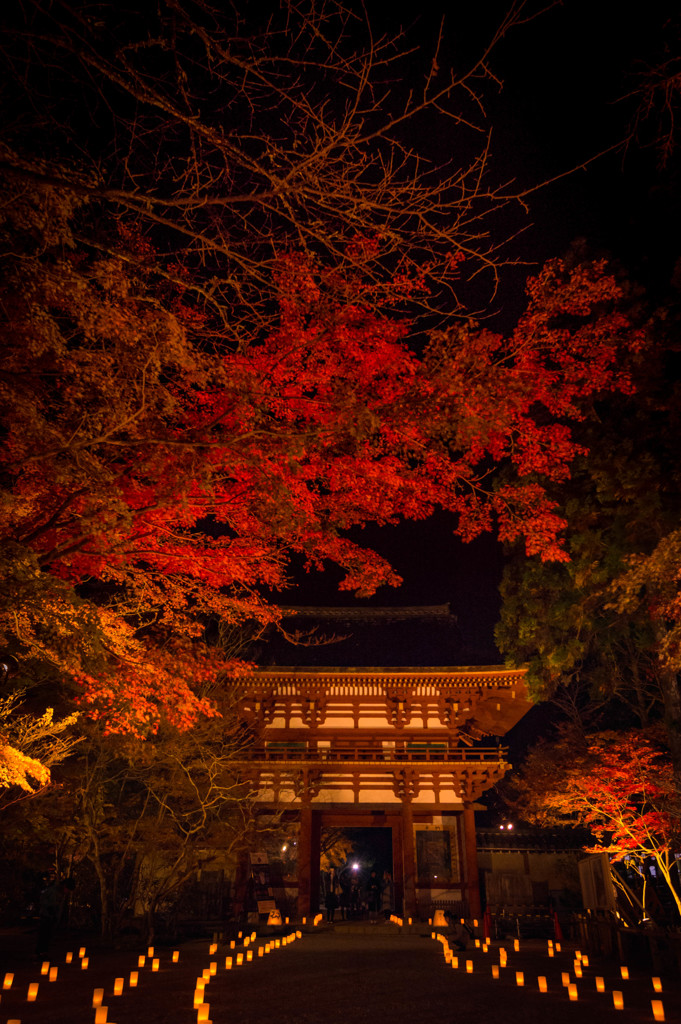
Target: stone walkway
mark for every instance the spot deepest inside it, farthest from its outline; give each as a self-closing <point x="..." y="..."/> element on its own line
<point x="326" y="978"/>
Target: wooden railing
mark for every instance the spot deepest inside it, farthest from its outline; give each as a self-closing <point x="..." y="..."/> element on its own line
<point x="386" y="755"/>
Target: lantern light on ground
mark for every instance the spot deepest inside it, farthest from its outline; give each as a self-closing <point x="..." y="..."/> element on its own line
<point x="657" y="984"/>
<point x="213" y="948"/>
<point x="578" y="969"/>
<point x="239" y="959"/>
<point x="600" y="984"/>
<point x="624" y="971"/>
<point x="541" y="982"/>
<point x="572" y="992"/>
<point x="202" y="1014"/>
<point x="551" y="951"/>
<point x="657" y="1008"/>
<point x="141" y="960"/>
<point x="69" y="958"/>
<point x="81" y="952"/>
<point x="45" y="966"/>
<point x="118" y="986"/>
<point x="469" y="966"/>
<point x="495" y="970"/>
<point x="206" y="975"/>
<point x="557" y="947"/>
<point x="519" y="979"/>
<point x="150" y="952"/>
<point x="213" y="968"/>
<point x="261" y="950"/>
<point x="97" y="998"/>
<point x="32" y="994"/>
<point x="176" y="955"/>
<point x="228" y="963"/>
<point x="455" y="963"/>
<point x="155" y="965"/>
<point x="585" y="961"/>
<point x="101" y="1014"/>
<point x="565" y="978"/>
<point x="249" y="955"/>
<point x="617" y="1000"/>
<point x="85" y="963"/>
<point x="7" y="983"/>
<point x="516" y="945"/>
<point x="53" y="973"/>
<point x="133" y="979"/>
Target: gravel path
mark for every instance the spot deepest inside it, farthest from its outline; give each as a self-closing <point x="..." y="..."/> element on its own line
<point x="365" y="977"/>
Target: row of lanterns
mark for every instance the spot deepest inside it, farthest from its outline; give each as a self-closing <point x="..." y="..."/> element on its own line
<point x="580" y="962"/>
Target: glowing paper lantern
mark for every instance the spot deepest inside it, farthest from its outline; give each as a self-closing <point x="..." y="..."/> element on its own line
<point x="81" y="952"/>
<point x="239" y="959"/>
<point x="53" y="973"/>
<point x="213" y="968"/>
<point x="206" y="975"/>
<point x="202" y="1014"/>
<point x="118" y="986"/>
<point x="85" y="963"/>
<point x="477" y="943"/>
<point x="516" y="945"/>
<point x="261" y="950"/>
<point x="565" y="978"/>
<point x="101" y="1014"/>
<point x="541" y="982"/>
<point x="213" y="948"/>
<point x="69" y="958"/>
<point x="141" y="960"/>
<point x="7" y="983"/>
<point x="232" y="944"/>
<point x="657" y="985"/>
<point x="600" y="984"/>
<point x="495" y="970"/>
<point x="45" y="966"/>
<point x="624" y="971"/>
<point x="585" y="961"/>
<point x="132" y="981"/>
<point x="97" y="997"/>
<point x="617" y="1000"/>
<point x="657" y="1008"/>
<point x="154" y="965"/>
<point x="519" y="979"/>
<point x="176" y="956"/>
<point x="228" y="963"/>
<point x="150" y="952"/>
<point x="249" y="955"/>
<point x="469" y="966"/>
<point x="32" y="992"/>
<point x="551" y="951"/>
<point x="578" y="969"/>
<point x="557" y="947"/>
<point x="572" y="992"/>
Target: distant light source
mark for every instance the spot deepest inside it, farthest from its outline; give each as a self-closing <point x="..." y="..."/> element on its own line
<point x="284" y="848"/>
<point x="355" y="867"/>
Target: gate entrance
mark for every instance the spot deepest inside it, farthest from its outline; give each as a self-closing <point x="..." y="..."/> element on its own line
<point x="394" y="749"/>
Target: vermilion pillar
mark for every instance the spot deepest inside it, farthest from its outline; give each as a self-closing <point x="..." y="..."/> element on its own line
<point x="304" y="860"/>
<point x="409" y="867"/>
<point x="471" y="856"/>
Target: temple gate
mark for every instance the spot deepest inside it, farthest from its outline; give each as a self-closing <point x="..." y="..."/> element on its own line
<point x="397" y="748"/>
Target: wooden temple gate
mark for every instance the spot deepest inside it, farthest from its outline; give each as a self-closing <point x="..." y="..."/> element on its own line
<point x="396" y="748"/>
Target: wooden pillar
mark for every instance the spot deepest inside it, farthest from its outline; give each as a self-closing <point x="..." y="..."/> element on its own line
<point x="398" y="864"/>
<point x="408" y="863"/>
<point x="471" y="857"/>
<point x="304" y="860"/>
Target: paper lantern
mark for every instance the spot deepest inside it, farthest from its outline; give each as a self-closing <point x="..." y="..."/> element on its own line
<point x="572" y="992"/>
<point x="154" y="965"/>
<point x="657" y="1008"/>
<point x="53" y="973"/>
<point x="495" y="970"/>
<point x="69" y="958"/>
<point x="541" y="982"/>
<point x="657" y="984"/>
<point x="45" y="966"/>
<point x="617" y="1000"/>
<point x="141" y="960"/>
<point x="239" y="959"/>
<point x="101" y="1014"/>
<point x="232" y="944"/>
<point x="32" y="992"/>
<point x="557" y="947"/>
<point x="176" y="955"/>
<point x="565" y="978"/>
<point x="624" y="971"/>
<point x="600" y="984"/>
<point x="213" y="948"/>
<point x="85" y="963"/>
<point x="519" y="979"/>
<point x="469" y="966"/>
<point x="261" y="950"/>
<point x="118" y="986"/>
<point x="81" y="952"/>
<point x="206" y="975"/>
<point x="249" y="955"/>
<point x="578" y="969"/>
<point x="516" y="945"/>
<point x="213" y="968"/>
<point x="585" y="961"/>
<point x="455" y="962"/>
<point x="202" y="1014"/>
<point x="132" y="981"/>
<point x="7" y="983"/>
<point x="228" y="963"/>
<point x="551" y="951"/>
<point x="439" y="919"/>
<point x="150" y="952"/>
<point x="97" y="997"/>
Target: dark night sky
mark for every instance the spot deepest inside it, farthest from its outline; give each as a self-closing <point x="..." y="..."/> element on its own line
<point x="565" y="76"/>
